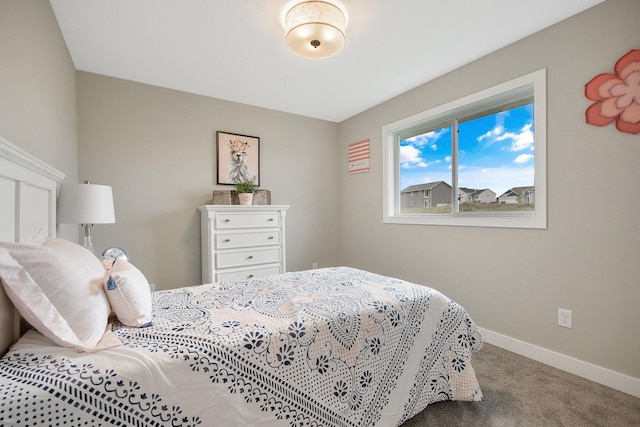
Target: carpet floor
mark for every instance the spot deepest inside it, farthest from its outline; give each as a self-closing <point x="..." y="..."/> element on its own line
<point x="522" y="392"/>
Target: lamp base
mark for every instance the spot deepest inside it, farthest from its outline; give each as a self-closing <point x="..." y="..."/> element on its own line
<point x="87" y="242"/>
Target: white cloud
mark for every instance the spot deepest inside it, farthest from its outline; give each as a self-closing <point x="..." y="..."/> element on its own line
<point x="409" y="153"/>
<point x="519" y="141"/>
<point x="410" y="157"/>
<point x="410" y="150"/>
<point x="494" y="134"/>
<point x="428" y="139"/>
<point x="523" y="140"/>
<point x="523" y="158"/>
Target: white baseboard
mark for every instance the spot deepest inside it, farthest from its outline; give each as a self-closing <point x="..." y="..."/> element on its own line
<point x="598" y="374"/>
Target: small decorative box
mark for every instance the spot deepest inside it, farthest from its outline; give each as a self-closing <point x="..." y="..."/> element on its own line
<point x="222" y="198"/>
<point x="262" y="197"/>
<point x="229" y="197"/>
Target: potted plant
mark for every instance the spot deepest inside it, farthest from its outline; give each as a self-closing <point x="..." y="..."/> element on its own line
<point x="245" y="191"/>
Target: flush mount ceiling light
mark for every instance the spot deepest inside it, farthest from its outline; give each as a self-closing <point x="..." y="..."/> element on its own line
<point x="315" y="29"/>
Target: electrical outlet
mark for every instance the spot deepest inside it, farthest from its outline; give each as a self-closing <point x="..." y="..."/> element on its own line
<point x="314" y="265"/>
<point x="565" y="318"/>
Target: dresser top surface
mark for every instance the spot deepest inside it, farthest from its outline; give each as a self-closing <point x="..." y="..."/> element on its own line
<point x="240" y="208"/>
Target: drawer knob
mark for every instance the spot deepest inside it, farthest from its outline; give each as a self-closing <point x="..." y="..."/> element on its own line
<point x="270" y="220"/>
<point x="227" y="240"/>
<point x="250" y="276"/>
<point x="270" y="237"/>
<point x="250" y="257"/>
<point x="227" y="220"/>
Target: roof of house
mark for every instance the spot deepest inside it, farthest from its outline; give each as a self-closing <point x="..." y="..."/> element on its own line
<point x="475" y="190"/>
<point x="425" y="186"/>
<point x="518" y="191"/>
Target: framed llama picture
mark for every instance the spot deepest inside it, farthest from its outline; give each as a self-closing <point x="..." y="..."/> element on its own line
<point x="238" y="158"/>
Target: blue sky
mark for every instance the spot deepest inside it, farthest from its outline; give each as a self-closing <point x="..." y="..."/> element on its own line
<point x="495" y="152"/>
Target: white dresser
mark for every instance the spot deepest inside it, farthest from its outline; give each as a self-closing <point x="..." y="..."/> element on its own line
<point x="242" y="242"/>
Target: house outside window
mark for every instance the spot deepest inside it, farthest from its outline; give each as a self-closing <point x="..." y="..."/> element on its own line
<point x="476" y="161"/>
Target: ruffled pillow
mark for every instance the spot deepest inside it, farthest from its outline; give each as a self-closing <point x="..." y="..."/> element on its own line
<point x="56" y="285"/>
<point x="129" y="294"/>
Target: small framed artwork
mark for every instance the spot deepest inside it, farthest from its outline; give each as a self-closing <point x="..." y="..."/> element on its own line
<point x="238" y="158"/>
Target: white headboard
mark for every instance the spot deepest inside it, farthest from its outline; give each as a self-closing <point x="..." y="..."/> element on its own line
<point x="27" y="204"/>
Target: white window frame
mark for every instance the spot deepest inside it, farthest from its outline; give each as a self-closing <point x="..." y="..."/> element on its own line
<point x="391" y="173"/>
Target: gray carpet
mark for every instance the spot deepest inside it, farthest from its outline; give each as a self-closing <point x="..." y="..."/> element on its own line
<point x="522" y="392"/>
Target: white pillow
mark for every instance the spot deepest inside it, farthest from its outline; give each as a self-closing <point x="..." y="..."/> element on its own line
<point x="129" y="294"/>
<point x="56" y="285"/>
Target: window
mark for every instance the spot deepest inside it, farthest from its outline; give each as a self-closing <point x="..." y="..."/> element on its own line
<point x="479" y="160"/>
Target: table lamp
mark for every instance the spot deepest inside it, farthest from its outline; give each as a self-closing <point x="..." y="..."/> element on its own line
<point x="85" y="204"/>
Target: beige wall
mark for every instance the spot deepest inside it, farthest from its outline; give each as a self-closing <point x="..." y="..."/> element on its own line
<point x="513" y="281"/>
<point x="156" y="147"/>
<point x="37" y="84"/>
<point x="37" y="88"/>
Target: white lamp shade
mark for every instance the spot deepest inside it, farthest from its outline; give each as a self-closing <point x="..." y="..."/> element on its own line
<point x="315" y="29"/>
<point x="85" y="204"/>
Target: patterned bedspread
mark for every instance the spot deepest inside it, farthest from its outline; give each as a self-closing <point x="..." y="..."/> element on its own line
<point x="328" y="347"/>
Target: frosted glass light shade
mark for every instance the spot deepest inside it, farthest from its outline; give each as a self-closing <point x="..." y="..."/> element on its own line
<point x="85" y="204"/>
<point x="315" y="29"/>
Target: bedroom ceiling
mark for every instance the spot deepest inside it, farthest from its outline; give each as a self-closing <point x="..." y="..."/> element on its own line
<point x="235" y="49"/>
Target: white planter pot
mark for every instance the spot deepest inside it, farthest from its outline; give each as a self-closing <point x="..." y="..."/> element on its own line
<point x="245" y="198"/>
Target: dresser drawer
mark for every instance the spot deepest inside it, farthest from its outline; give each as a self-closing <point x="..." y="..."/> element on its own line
<point x="227" y="220"/>
<point x="247" y="273"/>
<point x="248" y="257"/>
<point x="243" y="240"/>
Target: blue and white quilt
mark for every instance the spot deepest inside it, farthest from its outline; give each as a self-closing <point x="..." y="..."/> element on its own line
<point x="327" y="347"/>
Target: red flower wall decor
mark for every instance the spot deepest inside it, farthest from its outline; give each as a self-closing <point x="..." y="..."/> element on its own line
<point x="617" y="95"/>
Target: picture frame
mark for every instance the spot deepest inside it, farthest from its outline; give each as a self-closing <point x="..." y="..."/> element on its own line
<point x="238" y="158"/>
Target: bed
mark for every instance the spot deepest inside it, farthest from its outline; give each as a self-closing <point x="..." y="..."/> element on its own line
<point x="326" y="347"/>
